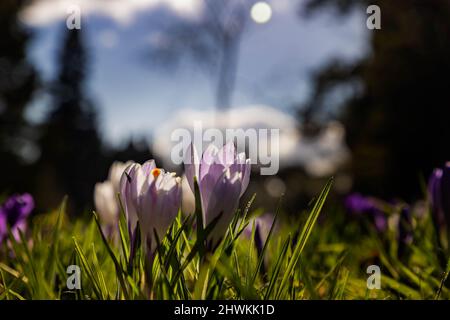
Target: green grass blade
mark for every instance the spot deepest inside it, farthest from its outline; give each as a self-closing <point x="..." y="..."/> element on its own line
<point x="304" y="236"/>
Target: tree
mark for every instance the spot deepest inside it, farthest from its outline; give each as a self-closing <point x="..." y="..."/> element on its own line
<point x="397" y="115"/>
<point x="212" y="41"/>
<point x="18" y="81"/>
<point x="71" y="160"/>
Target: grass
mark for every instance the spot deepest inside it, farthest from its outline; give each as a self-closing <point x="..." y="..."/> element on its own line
<point x="303" y="259"/>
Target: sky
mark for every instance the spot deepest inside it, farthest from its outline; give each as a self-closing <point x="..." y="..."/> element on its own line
<point x="133" y="97"/>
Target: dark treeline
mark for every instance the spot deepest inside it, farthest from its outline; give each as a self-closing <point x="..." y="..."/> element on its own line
<point x="18" y="81"/>
<point x="397" y="116"/>
<point x="71" y="156"/>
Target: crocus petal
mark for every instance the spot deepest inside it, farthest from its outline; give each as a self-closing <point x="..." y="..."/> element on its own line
<point x="263" y="223"/>
<point x="246" y="176"/>
<point x="244" y="166"/>
<point x="158" y="206"/>
<point x="224" y="200"/>
<point x="115" y="174"/>
<point x="148" y="166"/>
<point x="227" y="154"/>
<point x="147" y="204"/>
<point x="20" y="227"/>
<point x="27" y="204"/>
<point x="357" y="204"/>
<point x="209" y="158"/>
<point x="167" y="205"/>
<point x="188" y="199"/>
<point x="380" y="221"/>
<point x="3" y="227"/>
<point x="445" y="193"/>
<point x="191" y="165"/>
<point x="223" y="178"/>
<point x="128" y="196"/>
<point x="13" y="213"/>
<point x="435" y="194"/>
<point x="216" y="172"/>
<point x="106" y="203"/>
<point x="17" y="208"/>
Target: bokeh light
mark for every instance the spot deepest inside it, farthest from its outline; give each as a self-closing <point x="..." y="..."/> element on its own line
<point x="261" y="12"/>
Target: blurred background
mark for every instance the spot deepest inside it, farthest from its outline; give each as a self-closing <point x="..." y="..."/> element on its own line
<point x="370" y="107"/>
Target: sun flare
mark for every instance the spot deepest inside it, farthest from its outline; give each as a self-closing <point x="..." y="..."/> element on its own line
<point x="261" y="12"/>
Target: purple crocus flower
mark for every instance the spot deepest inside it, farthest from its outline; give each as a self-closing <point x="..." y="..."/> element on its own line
<point x="13" y="213"/>
<point x="263" y="224"/>
<point x="439" y="193"/>
<point x="105" y="196"/>
<point x="3" y="227"/>
<point x="151" y="196"/>
<point x="358" y="204"/>
<point x="223" y="176"/>
<point x="130" y="187"/>
<point x="380" y="220"/>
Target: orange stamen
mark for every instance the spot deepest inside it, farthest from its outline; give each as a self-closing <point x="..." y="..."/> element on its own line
<point x="156" y="172"/>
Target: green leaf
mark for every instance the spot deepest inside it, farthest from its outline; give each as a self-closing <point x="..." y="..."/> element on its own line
<point x="306" y="232"/>
<point x="119" y="270"/>
<point x="277" y="268"/>
<point x="89" y="271"/>
<point x="123" y="231"/>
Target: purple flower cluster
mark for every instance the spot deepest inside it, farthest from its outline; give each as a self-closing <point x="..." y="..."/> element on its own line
<point x="152" y="197"/>
<point x="14" y="213"/>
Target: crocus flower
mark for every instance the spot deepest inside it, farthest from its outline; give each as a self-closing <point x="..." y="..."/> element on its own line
<point x="380" y="220"/>
<point x="13" y="213"/>
<point x="439" y="193"/>
<point x="3" y="226"/>
<point x="358" y="204"/>
<point x="115" y="174"/>
<point x="106" y="203"/>
<point x="152" y="197"/>
<point x="105" y="195"/>
<point x="263" y="224"/>
<point x="187" y="198"/>
<point x="222" y="176"/>
<point x="439" y="197"/>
